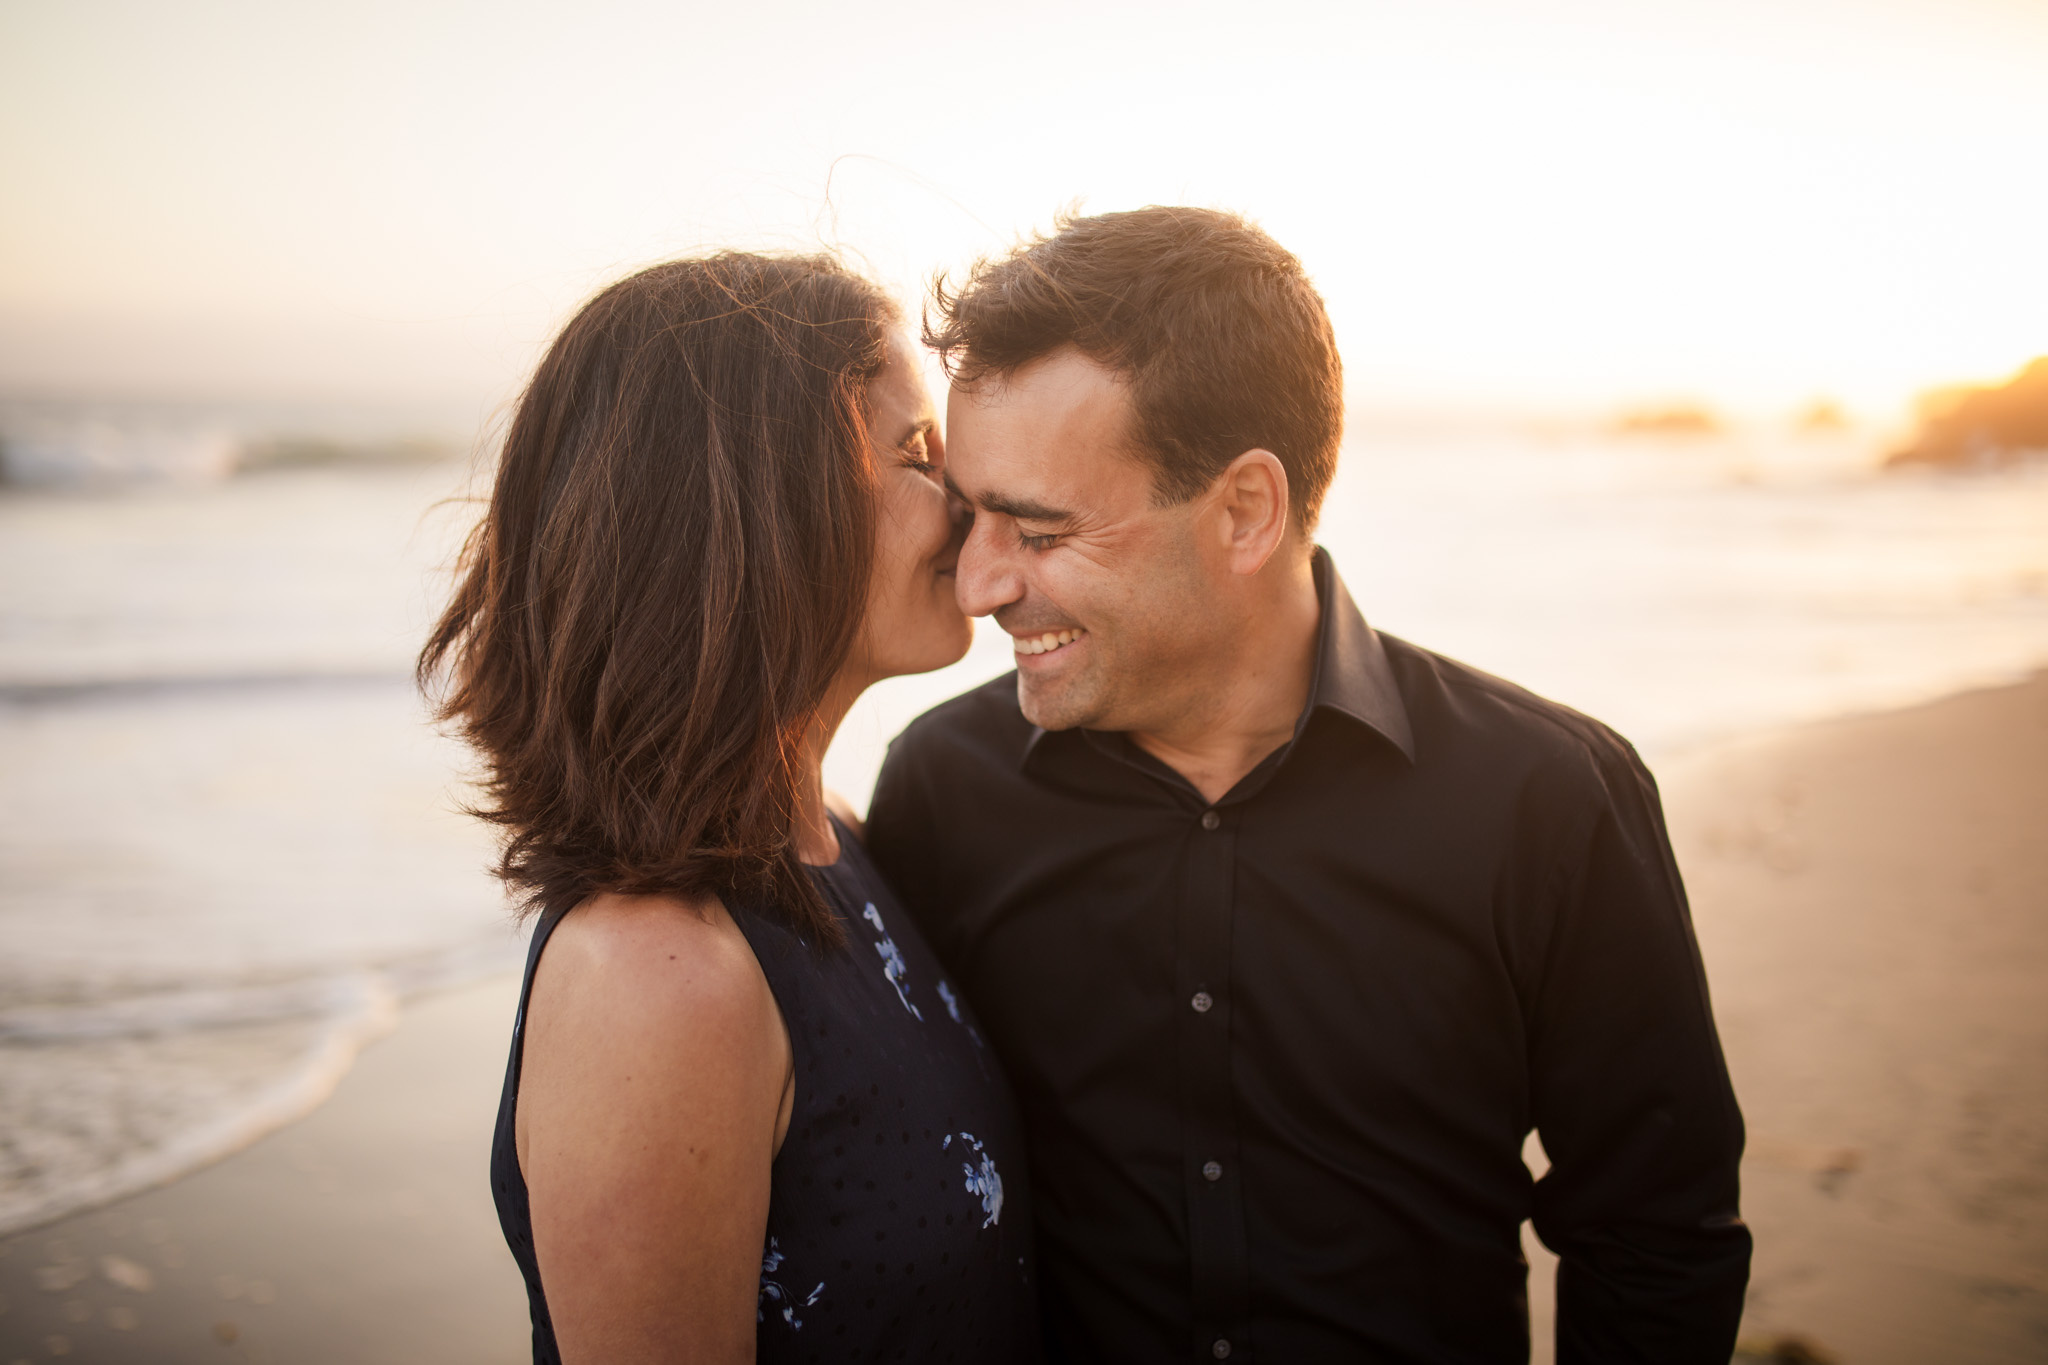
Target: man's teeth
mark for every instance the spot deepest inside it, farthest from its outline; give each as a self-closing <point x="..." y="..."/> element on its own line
<point x="1046" y="643"/>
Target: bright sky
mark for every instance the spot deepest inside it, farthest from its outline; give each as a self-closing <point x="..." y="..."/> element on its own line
<point x="1749" y="202"/>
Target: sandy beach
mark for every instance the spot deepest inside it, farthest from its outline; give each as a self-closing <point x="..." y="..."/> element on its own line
<point x="1871" y="896"/>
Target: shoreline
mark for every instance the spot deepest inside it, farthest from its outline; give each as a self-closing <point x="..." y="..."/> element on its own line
<point x="302" y="1086"/>
<point x="362" y="1231"/>
<point x="274" y="1052"/>
<point x="1871" y="898"/>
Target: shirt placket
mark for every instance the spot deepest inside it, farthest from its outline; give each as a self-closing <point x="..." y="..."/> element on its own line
<point x="1211" y="1170"/>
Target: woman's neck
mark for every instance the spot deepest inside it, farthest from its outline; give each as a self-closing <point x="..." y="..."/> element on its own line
<point x="817" y="842"/>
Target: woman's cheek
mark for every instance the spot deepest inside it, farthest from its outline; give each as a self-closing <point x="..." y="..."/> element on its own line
<point x="938" y="524"/>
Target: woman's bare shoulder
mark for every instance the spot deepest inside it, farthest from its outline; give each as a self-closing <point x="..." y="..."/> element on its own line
<point x="651" y="963"/>
<point x="633" y="993"/>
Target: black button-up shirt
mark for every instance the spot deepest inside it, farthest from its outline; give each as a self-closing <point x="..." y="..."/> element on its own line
<point x="1278" y="1056"/>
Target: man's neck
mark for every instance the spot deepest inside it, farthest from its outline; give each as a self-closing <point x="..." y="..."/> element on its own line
<point x="1251" y="704"/>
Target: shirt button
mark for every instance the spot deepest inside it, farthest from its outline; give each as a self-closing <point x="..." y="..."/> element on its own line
<point x="1210" y="819"/>
<point x="1221" y="1350"/>
<point x="1212" y="1170"/>
<point x="1202" y="1001"/>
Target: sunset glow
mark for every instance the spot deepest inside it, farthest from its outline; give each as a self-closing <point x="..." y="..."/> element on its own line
<point x="1748" y="206"/>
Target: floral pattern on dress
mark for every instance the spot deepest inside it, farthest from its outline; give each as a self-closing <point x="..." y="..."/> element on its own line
<point x="772" y="1291"/>
<point x="892" y="961"/>
<point x="953" y="1008"/>
<point x="983" y="1182"/>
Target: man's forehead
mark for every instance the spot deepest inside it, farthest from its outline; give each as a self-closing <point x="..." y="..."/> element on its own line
<point x="1061" y="420"/>
<point x="1053" y="387"/>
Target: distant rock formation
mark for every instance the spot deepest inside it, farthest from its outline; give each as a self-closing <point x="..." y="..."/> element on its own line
<point x="93" y="448"/>
<point x="1822" y="415"/>
<point x="1678" y="420"/>
<point x="1984" y="428"/>
<point x="300" y="452"/>
<point x="87" y="449"/>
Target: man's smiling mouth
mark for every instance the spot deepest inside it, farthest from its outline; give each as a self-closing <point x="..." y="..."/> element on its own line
<point x="1047" y="642"/>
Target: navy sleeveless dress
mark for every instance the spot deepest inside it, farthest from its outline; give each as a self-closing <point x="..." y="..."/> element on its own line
<point x="899" y="1223"/>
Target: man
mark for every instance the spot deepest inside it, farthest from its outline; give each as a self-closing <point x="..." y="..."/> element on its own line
<point x="1287" y="932"/>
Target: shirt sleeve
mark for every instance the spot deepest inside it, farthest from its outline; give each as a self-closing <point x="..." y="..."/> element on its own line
<point x="1631" y="1098"/>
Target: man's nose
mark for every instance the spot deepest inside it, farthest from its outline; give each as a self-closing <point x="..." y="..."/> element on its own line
<point x="985" y="579"/>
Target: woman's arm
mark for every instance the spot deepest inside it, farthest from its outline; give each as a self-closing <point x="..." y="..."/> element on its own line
<point x="653" y="1095"/>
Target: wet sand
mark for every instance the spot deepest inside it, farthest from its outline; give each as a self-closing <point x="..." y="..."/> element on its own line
<point x="364" y="1232"/>
<point x="1872" y="902"/>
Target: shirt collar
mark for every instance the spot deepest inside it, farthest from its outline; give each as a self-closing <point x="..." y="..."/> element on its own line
<point x="1352" y="676"/>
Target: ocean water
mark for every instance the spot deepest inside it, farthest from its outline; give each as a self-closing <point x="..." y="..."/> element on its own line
<point x="231" y="846"/>
<point x="230" y="843"/>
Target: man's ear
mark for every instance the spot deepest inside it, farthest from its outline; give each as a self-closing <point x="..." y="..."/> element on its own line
<point x="1251" y="500"/>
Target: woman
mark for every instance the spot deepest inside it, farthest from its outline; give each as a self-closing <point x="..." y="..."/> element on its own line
<point x="745" y="1116"/>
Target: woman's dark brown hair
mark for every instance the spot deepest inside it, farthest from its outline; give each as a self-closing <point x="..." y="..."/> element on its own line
<point x="673" y="566"/>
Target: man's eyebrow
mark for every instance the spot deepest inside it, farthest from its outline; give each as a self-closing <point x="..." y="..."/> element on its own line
<point x="1007" y="505"/>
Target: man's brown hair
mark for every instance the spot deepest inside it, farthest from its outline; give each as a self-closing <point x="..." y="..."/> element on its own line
<point x="673" y="567"/>
<point x="1215" y="326"/>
